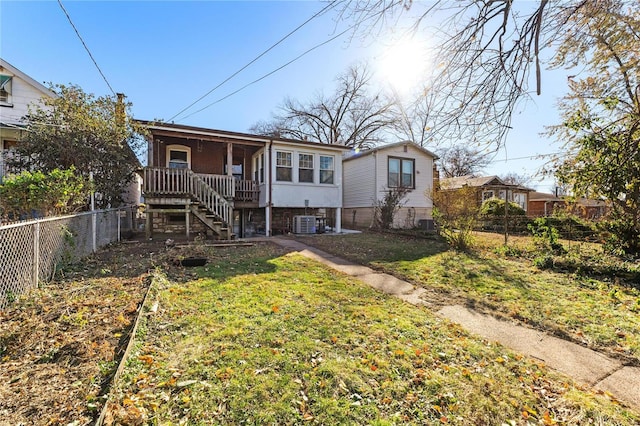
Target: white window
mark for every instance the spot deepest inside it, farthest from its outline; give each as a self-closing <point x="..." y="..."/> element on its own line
<point x="283" y="166"/>
<point x="520" y="199"/>
<point x="326" y="169"/>
<point x="401" y="173"/>
<point x="305" y="168"/>
<point x="5" y="89"/>
<point x="178" y="157"/>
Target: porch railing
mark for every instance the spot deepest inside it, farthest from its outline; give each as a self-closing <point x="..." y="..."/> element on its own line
<point x="221" y="183"/>
<point x="214" y="191"/>
<point x="166" y="181"/>
<point x="247" y="190"/>
<point x="183" y="182"/>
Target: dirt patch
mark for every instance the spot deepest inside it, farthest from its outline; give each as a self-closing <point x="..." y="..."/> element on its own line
<point x="61" y="344"/>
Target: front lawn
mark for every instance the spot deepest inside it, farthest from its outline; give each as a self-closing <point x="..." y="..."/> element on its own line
<point x="260" y="337"/>
<point x="594" y="308"/>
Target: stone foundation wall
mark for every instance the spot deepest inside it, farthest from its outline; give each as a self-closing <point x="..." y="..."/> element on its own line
<point x="164" y="223"/>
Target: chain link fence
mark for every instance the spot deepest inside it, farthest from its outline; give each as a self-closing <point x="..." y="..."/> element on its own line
<point x="31" y="251"/>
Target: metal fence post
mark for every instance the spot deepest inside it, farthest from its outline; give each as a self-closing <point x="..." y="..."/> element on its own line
<point x="118" y="214"/>
<point x="94" y="230"/>
<point x="36" y="254"/>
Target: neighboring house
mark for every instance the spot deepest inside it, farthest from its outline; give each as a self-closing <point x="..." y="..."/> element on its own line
<point x="236" y="184"/>
<point x="17" y="92"/>
<point x="544" y="204"/>
<point x="369" y="174"/>
<point x="488" y="187"/>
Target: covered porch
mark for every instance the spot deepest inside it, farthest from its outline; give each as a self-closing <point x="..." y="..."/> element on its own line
<point x="200" y="175"/>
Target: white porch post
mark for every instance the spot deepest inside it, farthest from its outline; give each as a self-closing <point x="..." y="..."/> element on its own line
<point x="267" y="220"/>
<point x="230" y="174"/>
<point x="338" y="227"/>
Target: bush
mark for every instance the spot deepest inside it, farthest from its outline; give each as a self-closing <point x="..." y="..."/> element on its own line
<point x="543" y="261"/>
<point x="495" y="207"/>
<point x="456" y="213"/>
<point x="385" y="209"/>
<point x="33" y="194"/>
<point x="545" y="236"/>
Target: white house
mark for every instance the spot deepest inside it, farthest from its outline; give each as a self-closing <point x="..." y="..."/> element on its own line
<point x="17" y="92"/>
<point x="368" y="175"/>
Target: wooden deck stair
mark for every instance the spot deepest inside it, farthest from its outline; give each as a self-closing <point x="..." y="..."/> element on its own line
<point x="212" y="221"/>
<point x="213" y="209"/>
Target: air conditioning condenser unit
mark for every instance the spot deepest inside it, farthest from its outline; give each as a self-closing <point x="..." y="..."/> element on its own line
<point x="304" y="224"/>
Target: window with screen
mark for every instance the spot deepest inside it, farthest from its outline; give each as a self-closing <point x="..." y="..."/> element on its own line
<point x="326" y="169"/>
<point x="305" y="168"/>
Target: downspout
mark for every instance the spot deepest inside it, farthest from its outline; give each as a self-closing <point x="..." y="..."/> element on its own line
<point x="375" y="188"/>
<point x="269" y="190"/>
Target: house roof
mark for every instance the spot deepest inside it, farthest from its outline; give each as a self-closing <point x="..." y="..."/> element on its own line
<point x="477" y="182"/>
<point x="195" y="132"/>
<point x="389" y="146"/>
<point x="4" y="65"/>
<point x="586" y="202"/>
<point x="543" y="196"/>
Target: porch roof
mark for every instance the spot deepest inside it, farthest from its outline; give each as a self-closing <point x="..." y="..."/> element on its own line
<point x="202" y="133"/>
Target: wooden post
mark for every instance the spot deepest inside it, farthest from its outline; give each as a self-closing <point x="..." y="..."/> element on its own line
<point x="229" y="159"/>
<point x="506" y="215"/>
<point x="149" y="223"/>
<point x="187" y="213"/>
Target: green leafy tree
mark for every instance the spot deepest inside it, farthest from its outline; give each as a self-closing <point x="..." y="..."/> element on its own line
<point x="80" y="130"/>
<point x="601" y="116"/>
<point x="30" y="194"/>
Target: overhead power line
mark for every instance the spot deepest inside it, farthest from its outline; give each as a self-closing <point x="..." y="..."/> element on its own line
<point x="272" y="72"/>
<point x="324" y="9"/>
<point x="85" y="47"/>
<point x="529" y="157"/>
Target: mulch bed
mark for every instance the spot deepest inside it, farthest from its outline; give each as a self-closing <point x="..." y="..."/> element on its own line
<point x="61" y="344"/>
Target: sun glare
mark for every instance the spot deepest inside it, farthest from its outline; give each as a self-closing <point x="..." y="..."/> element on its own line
<point x="403" y="64"/>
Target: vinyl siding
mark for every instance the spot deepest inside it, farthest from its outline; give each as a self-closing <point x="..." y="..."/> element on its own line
<point x="359" y="181"/>
<point x="418" y="197"/>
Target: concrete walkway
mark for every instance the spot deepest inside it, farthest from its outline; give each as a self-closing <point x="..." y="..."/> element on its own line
<point x="584" y="365"/>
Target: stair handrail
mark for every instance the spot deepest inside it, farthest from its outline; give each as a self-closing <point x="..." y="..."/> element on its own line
<point x="209" y="197"/>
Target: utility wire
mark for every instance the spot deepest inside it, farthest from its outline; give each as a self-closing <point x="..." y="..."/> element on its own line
<point x="529" y="157"/>
<point x="324" y="9"/>
<point x="272" y="72"/>
<point x="85" y="46"/>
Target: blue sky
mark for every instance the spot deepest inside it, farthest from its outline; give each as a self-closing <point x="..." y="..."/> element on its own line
<point x="165" y="55"/>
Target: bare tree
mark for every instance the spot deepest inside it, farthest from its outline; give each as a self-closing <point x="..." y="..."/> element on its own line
<point x="490" y="54"/>
<point x="351" y="116"/>
<point x="513" y="178"/>
<point x="460" y="160"/>
<point x="414" y="119"/>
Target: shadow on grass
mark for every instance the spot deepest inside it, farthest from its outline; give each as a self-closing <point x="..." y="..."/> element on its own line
<point x="373" y="247"/>
<point x="227" y="262"/>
